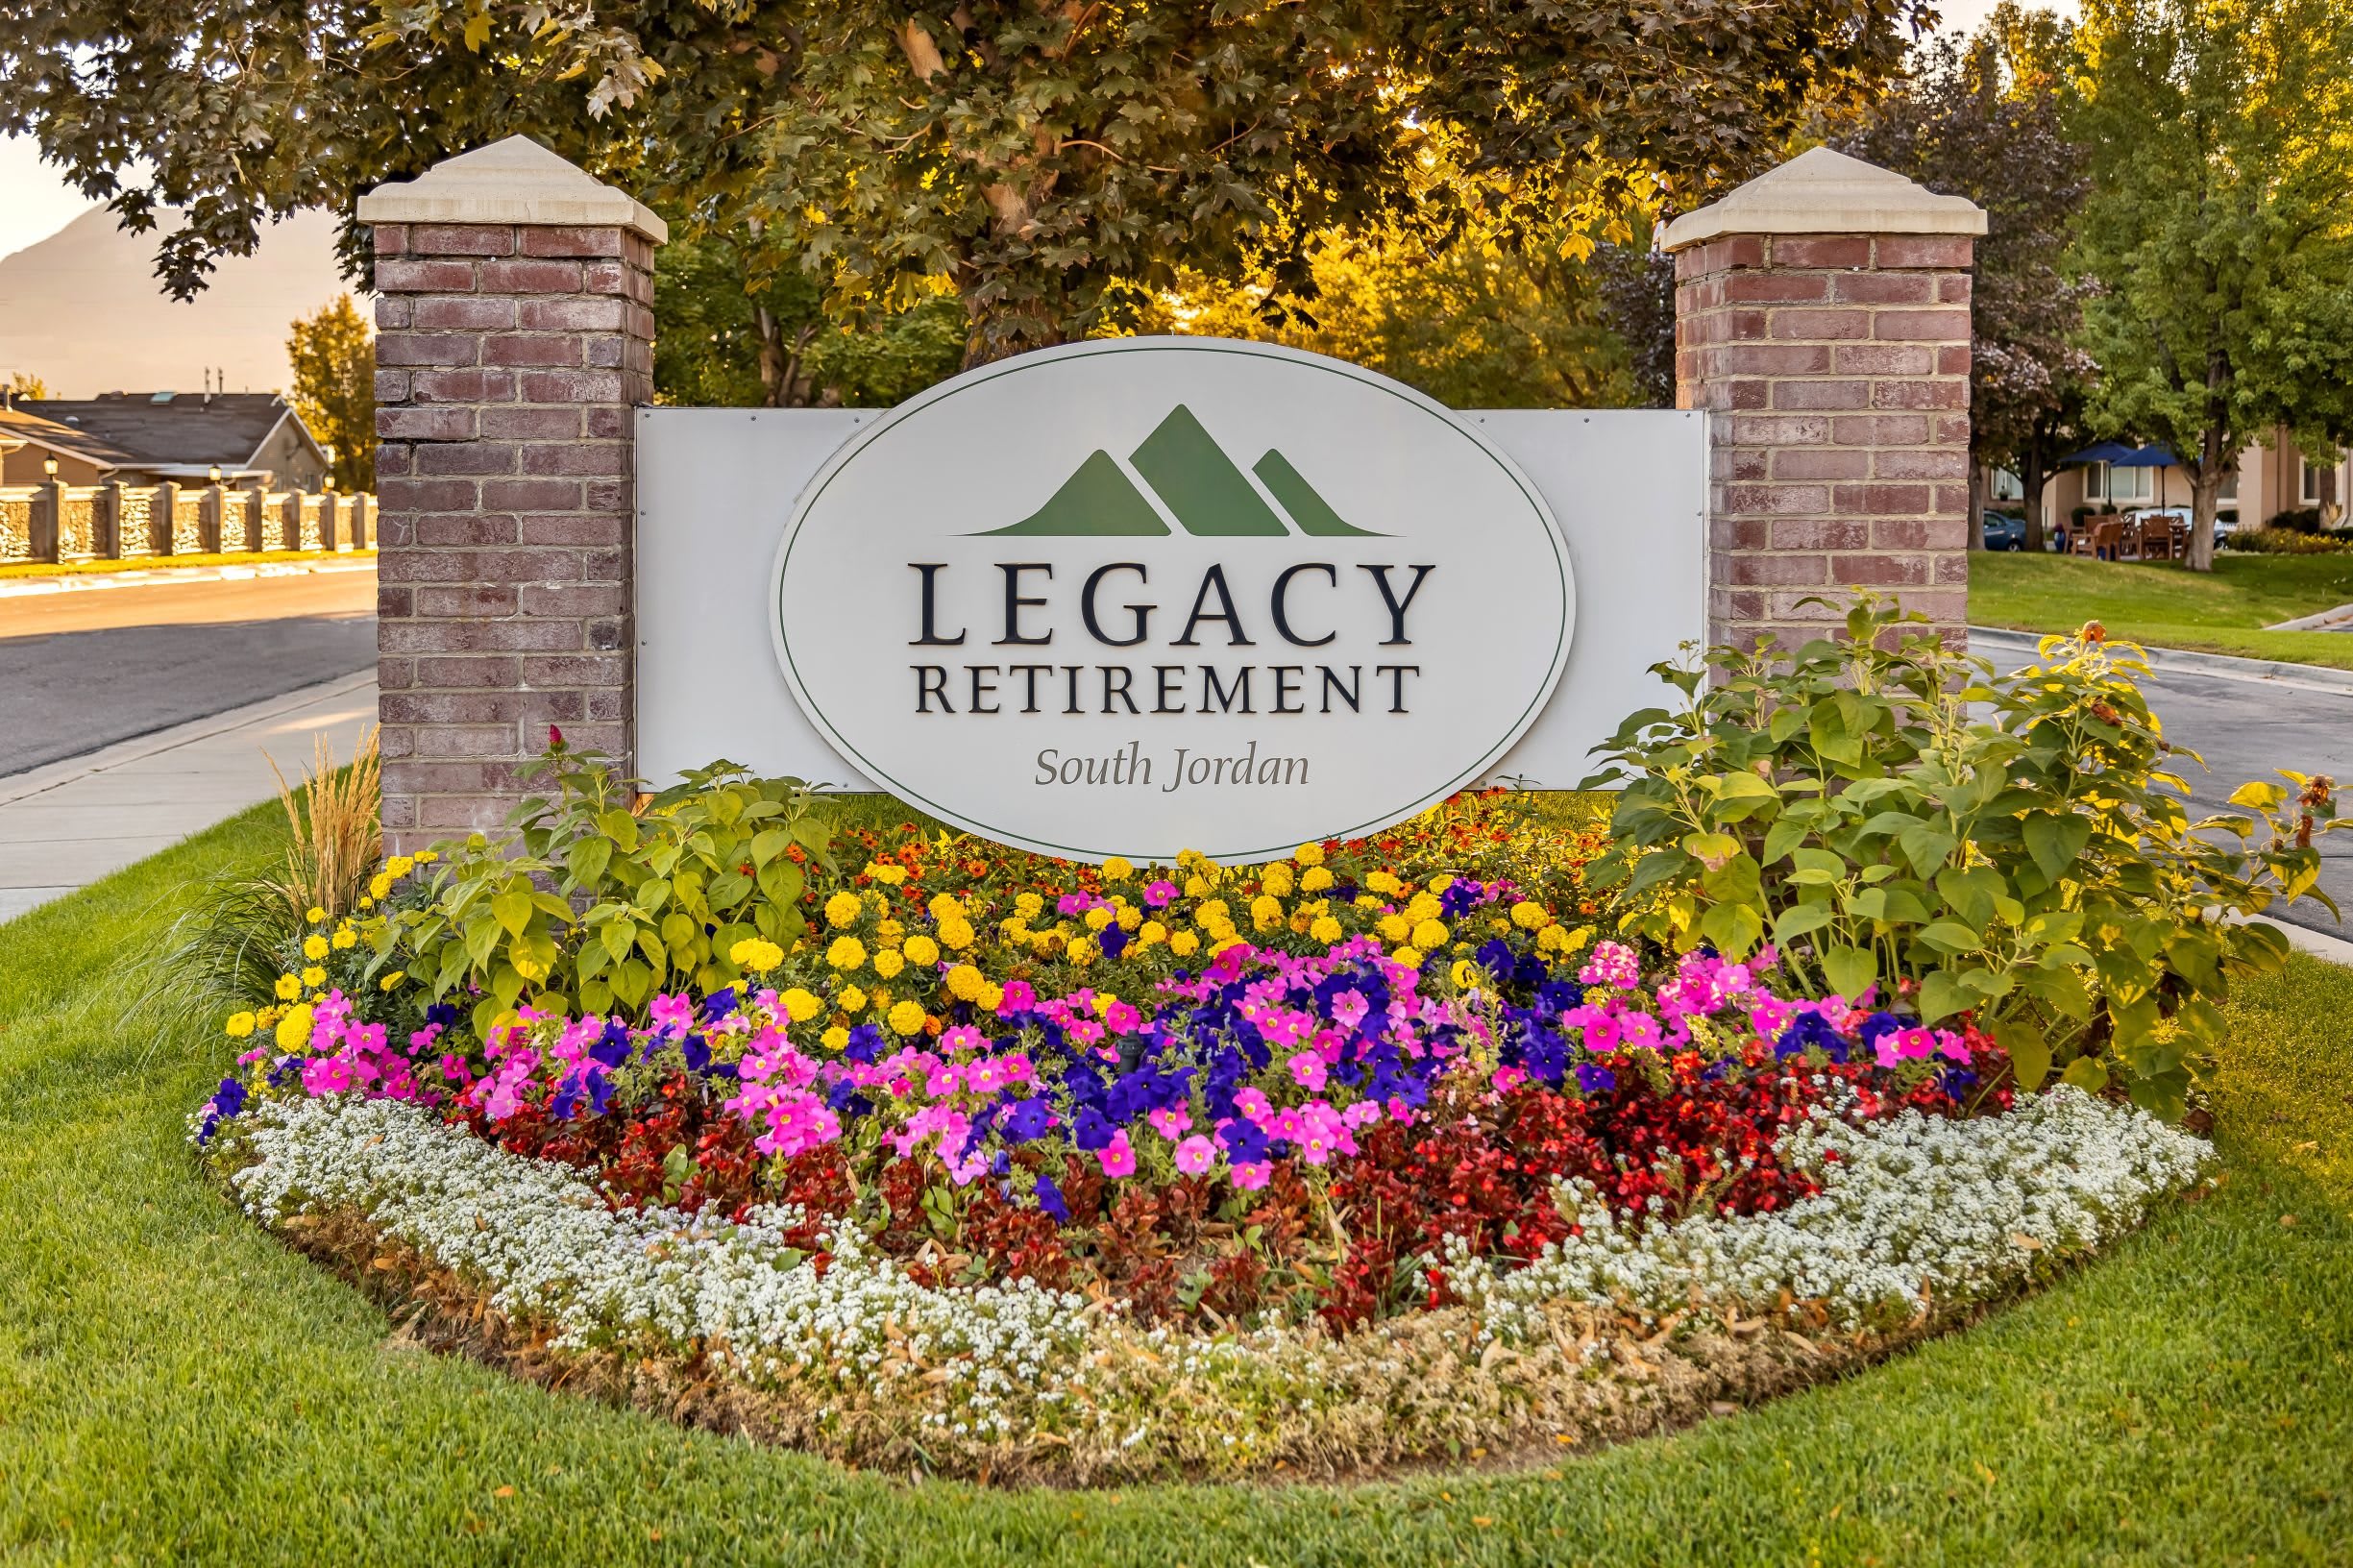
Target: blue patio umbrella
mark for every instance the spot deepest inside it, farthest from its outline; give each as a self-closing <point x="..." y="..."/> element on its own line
<point x="2148" y="456"/>
<point x="2116" y="453"/>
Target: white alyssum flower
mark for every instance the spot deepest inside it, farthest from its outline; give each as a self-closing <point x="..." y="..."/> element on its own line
<point x="1914" y="1212"/>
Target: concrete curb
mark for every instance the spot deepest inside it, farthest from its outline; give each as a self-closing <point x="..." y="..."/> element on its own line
<point x="2325" y="620"/>
<point x="2308" y="677"/>
<point x="49" y="775"/>
<point x="75" y="582"/>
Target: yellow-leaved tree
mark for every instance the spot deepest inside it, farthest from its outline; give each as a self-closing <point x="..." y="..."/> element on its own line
<point x="333" y="355"/>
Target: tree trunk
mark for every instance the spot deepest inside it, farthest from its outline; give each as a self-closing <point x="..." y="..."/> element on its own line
<point x="1977" y="504"/>
<point x="2031" y="482"/>
<point x="2205" y="490"/>
<point x="999" y="332"/>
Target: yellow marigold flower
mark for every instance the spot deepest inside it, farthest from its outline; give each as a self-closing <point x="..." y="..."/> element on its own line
<point x="1531" y="916"/>
<point x="1384" y="882"/>
<point x="314" y="915"/>
<point x="314" y="977"/>
<point x="425" y="857"/>
<point x="1277" y="880"/>
<point x="288" y="987"/>
<point x="907" y="1018"/>
<point x="314" y="947"/>
<point x="1117" y="869"/>
<point x="240" y="1025"/>
<point x="800" y="1005"/>
<point x="1266" y="910"/>
<point x="852" y="999"/>
<point x="1098" y="919"/>
<point x="887" y="963"/>
<point x="991" y="995"/>
<point x="1423" y="906"/>
<point x="956" y="933"/>
<point x="846" y="954"/>
<point x="1150" y="932"/>
<point x="1441" y="882"/>
<point x="1577" y="939"/>
<point x="389" y="981"/>
<point x="346" y="938"/>
<point x="1308" y="854"/>
<point x="757" y="954"/>
<point x="1212" y="909"/>
<point x="890" y="930"/>
<point x="1406" y="956"/>
<point x="1429" y="933"/>
<point x="1184" y="943"/>
<point x="842" y="908"/>
<point x="401" y="866"/>
<point x="1316" y="880"/>
<point x="889" y="875"/>
<point x="1195" y="887"/>
<point x="835" y="1038"/>
<point x="1394" y="927"/>
<point x="1029" y="906"/>
<point x="1043" y="943"/>
<point x="944" y="907"/>
<point x="367" y="903"/>
<point x="1325" y="929"/>
<point x="379" y="885"/>
<point x="1080" y="950"/>
<point x="965" y="983"/>
<point x="1465" y="974"/>
<point x="294" y="1029"/>
<point x="921" y="949"/>
<point x="1130" y="916"/>
<point x="1015" y="927"/>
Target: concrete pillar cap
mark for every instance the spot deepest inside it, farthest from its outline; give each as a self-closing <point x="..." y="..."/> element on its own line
<point x="1824" y="192"/>
<point x="515" y="181"/>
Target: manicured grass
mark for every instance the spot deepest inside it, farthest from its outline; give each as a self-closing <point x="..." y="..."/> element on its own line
<point x="2161" y="604"/>
<point x="154" y="563"/>
<point x="173" y="1384"/>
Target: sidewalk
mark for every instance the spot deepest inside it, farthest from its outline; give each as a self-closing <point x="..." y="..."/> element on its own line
<point x="216" y="571"/>
<point x="65" y="825"/>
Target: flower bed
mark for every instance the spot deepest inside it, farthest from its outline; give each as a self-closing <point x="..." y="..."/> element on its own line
<point x="1012" y="1167"/>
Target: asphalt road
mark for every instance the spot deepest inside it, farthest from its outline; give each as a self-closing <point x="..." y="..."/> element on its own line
<point x="85" y="669"/>
<point x="2249" y="729"/>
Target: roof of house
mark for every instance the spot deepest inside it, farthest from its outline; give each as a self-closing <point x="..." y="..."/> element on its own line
<point x="165" y="430"/>
<point x="18" y="425"/>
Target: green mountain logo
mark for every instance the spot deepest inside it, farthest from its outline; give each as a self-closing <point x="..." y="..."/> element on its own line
<point x="1200" y="486"/>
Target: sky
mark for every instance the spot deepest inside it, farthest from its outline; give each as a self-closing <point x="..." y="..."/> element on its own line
<point x="34" y="203"/>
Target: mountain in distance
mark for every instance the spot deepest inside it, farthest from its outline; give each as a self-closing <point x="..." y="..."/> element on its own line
<point x="83" y="311"/>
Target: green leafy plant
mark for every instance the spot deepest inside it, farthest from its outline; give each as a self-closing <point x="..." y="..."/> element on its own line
<point x="2009" y="850"/>
<point x="604" y="896"/>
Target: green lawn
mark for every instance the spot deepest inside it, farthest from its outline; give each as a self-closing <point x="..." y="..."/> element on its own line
<point x="2164" y="606"/>
<point x="154" y="563"/>
<point x="175" y="1386"/>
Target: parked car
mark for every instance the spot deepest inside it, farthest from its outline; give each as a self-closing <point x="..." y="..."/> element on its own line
<point x="2004" y="531"/>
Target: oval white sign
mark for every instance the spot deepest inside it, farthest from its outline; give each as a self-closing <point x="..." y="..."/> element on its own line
<point x="1144" y="595"/>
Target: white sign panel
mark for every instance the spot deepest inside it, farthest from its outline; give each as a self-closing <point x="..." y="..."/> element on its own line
<point x="1132" y="596"/>
<point x="1144" y="595"/>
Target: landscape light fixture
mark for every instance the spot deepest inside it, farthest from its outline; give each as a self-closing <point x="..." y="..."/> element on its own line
<point x="216" y="472"/>
<point x="49" y="466"/>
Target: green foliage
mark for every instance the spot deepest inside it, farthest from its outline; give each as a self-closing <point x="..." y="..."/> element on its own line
<point x="604" y="897"/>
<point x="741" y="328"/>
<point x="333" y="355"/>
<point x="1985" y="119"/>
<point x="1475" y="326"/>
<point x="1025" y="156"/>
<point x="2008" y="849"/>
<point x="2218" y="227"/>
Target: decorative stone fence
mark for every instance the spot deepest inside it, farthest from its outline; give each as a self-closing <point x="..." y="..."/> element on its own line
<point x="1822" y="319"/>
<point x="61" y="523"/>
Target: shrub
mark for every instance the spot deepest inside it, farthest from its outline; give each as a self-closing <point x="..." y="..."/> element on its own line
<point x="2004" y="847"/>
<point x="2273" y="540"/>
<point x="603" y="896"/>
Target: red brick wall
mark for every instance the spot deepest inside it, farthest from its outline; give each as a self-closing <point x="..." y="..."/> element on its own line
<point x="1837" y="369"/>
<point x="509" y="359"/>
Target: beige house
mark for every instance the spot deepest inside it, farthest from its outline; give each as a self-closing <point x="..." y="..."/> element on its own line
<point x="2269" y="478"/>
<point x="245" y="439"/>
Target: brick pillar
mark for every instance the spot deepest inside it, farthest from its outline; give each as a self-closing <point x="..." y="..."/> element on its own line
<point x="1821" y="315"/>
<point x="515" y="337"/>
